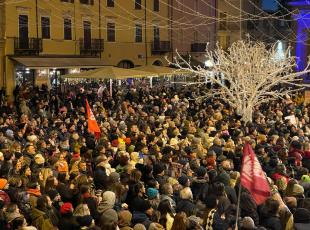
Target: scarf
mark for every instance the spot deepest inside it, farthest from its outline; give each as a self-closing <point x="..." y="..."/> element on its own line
<point x="34" y="191"/>
<point x="86" y="195"/>
<point x="210" y="220"/>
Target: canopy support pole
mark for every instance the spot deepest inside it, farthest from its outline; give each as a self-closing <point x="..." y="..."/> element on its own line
<point x="111" y="83"/>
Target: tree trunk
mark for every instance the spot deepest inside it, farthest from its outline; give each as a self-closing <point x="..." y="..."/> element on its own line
<point x="246" y="113"/>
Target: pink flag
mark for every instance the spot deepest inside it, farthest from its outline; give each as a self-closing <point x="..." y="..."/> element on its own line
<point x="253" y="177"/>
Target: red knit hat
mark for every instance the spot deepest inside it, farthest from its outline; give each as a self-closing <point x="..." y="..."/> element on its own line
<point x="115" y="143"/>
<point x="66" y="208"/>
<point x="76" y="156"/>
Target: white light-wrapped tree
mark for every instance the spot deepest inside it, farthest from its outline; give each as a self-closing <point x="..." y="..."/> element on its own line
<point x="253" y="75"/>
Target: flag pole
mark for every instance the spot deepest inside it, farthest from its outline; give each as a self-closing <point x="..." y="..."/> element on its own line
<point x="238" y="206"/>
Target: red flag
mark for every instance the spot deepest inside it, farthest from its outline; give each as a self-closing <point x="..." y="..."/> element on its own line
<point x="253" y="177"/>
<point x="93" y="126"/>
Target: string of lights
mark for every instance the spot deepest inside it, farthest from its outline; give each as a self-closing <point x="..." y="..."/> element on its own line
<point x="163" y="22"/>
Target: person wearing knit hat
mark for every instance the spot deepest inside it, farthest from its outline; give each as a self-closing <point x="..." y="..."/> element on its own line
<point x="172" y="181"/>
<point x="114" y="177"/>
<point x="83" y="217"/>
<point x="75" y="136"/>
<point x="173" y="142"/>
<point x="127" y="141"/>
<point x="115" y="143"/>
<point x="124" y="220"/>
<point x="156" y="226"/>
<point x="39" y="159"/>
<point x="135" y="159"/>
<point x="139" y="227"/>
<point x="158" y="169"/>
<point x="131" y="148"/>
<point x="224" y="178"/>
<point x="298" y="191"/>
<point x="305" y="178"/>
<point x="107" y="202"/>
<point x="152" y="193"/>
<point x="302" y="219"/>
<point x="3" y="195"/>
<point x="67" y="220"/>
<point x="108" y="219"/>
<point x="52" y="193"/>
<point x="247" y="223"/>
<point x="302" y="215"/>
<point x="184" y="181"/>
<point x="201" y="172"/>
<point x="234" y="176"/>
<point x="12" y="212"/>
<point x="291" y="203"/>
<point x="3" y="183"/>
<point x="9" y="133"/>
<point x="66" y="208"/>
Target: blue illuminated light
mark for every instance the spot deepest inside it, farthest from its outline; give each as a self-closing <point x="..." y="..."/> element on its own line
<point x="300" y="3"/>
<point x="303" y="25"/>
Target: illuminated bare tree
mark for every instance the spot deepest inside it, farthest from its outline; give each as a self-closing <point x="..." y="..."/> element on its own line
<point x="253" y="73"/>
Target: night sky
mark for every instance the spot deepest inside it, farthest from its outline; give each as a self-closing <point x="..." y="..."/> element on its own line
<point x="269" y="4"/>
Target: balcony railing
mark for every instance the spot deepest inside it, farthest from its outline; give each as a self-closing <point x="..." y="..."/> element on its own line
<point x="159" y="47"/>
<point x="27" y="46"/>
<point x="198" y="47"/>
<point x="91" y="48"/>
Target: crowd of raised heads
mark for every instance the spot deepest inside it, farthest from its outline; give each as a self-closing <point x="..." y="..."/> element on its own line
<point x="166" y="158"/>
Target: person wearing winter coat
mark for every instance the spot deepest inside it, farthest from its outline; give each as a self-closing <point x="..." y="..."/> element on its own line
<point x="124" y="220"/>
<point x="3" y="195"/>
<point x="248" y="207"/>
<point x="143" y="214"/>
<point x="39" y="216"/>
<point x="270" y="215"/>
<point x="34" y="193"/>
<point x="83" y="216"/>
<point x="100" y="177"/>
<point x="186" y="204"/>
<point x="67" y="221"/>
<point x="302" y="219"/>
<point x="166" y="214"/>
<point x="200" y="184"/>
<point x="107" y="203"/>
<point x="89" y="200"/>
<point x="167" y="194"/>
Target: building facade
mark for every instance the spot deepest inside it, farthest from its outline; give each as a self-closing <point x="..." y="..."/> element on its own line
<point x="40" y="40"/>
<point x="193" y="27"/>
<point x="233" y="20"/>
<point x="302" y="37"/>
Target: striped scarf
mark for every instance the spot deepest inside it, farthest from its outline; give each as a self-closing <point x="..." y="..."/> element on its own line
<point x="210" y="220"/>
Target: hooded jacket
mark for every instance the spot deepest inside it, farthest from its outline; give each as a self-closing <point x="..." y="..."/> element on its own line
<point x="186" y="206"/>
<point x="108" y="202"/>
<point x="68" y="222"/>
<point x="40" y="220"/>
<point x="200" y="188"/>
<point x="142" y="218"/>
<point x="124" y="221"/>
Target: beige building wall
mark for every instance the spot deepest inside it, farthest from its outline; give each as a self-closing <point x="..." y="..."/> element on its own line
<point x="194" y="27"/>
<point x="126" y="17"/>
<point x="230" y="28"/>
<point x="123" y="14"/>
<point x="2" y="28"/>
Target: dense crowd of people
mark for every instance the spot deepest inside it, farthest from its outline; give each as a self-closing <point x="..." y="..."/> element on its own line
<point x="163" y="160"/>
